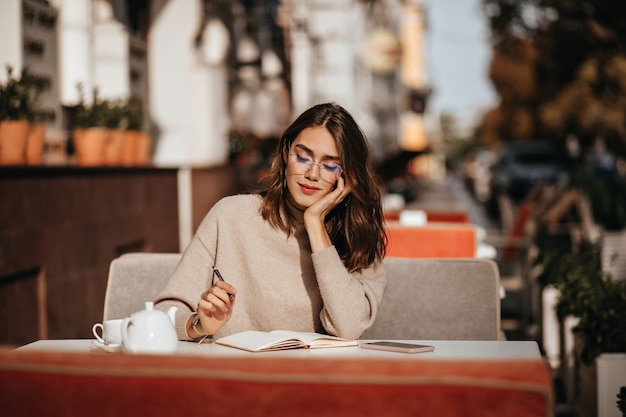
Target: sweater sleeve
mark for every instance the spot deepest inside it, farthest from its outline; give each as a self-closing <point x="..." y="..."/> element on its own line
<point x="192" y="276"/>
<point x="351" y="300"/>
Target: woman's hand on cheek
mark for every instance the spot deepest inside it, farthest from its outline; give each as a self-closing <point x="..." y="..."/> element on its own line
<point x="315" y="215"/>
<point x="324" y="205"/>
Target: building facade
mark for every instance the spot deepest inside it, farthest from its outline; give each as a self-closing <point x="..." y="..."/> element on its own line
<point x="207" y="68"/>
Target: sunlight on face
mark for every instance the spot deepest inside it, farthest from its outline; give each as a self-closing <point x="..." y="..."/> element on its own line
<point x="306" y="186"/>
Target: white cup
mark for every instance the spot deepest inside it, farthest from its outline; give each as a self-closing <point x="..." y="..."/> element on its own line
<point x="111" y="332"/>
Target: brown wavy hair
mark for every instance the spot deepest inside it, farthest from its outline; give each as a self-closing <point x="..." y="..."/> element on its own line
<point x="356" y="225"/>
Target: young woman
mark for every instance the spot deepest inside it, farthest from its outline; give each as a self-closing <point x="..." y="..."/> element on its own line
<point x="304" y="254"/>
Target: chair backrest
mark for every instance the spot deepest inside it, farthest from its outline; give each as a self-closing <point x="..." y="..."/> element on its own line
<point x="135" y="278"/>
<point x="439" y="299"/>
<point x="425" y="299"/>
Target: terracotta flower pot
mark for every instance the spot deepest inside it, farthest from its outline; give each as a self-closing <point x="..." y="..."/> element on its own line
<point x="144" y="146"/>
<point x="34" y="144"/>
<point x="89" y="144"/>
<point x="13" y="136"/>
<point x="113" y="148"/>
<point x="129" y="148"/>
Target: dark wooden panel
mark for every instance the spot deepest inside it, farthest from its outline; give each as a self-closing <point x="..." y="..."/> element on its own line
<point x="22" y="307"/>
<point x="72" y="222"/>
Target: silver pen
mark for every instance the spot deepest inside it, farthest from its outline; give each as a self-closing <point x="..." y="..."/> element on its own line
<point x="219" y="276"/>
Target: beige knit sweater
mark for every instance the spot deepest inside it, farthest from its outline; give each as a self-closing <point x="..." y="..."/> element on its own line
<point x="280" y="284"/>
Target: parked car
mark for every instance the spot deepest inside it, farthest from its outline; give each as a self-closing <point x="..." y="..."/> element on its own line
<point x="523" y="165"/>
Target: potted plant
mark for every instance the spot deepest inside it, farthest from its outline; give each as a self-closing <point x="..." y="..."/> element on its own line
<point x="589" y="294"/>
<point x="17" y="110"/>
<point x="138" y="141"/>
<point x="37" y="133"/>
<point x="90" y="133"/>
<point x="116" y="122"/>
<point x="35" y="142"/>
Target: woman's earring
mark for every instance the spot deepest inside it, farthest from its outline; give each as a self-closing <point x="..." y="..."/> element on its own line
<point x="284" y="179"/>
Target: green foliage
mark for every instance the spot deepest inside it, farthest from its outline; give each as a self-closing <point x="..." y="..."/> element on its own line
<point x="557" y="257"/>
<point x="585" y="292"/>
<point x="600" y="303"/>
<point x="133" y="111"/>
<point x="18" y="97"/>
<point x="94" y="115"/>
<point x="112" y="114"/>
<point x="621" y="399"/>
<point x="607" y="197"/>
<point x="115" y="117"/>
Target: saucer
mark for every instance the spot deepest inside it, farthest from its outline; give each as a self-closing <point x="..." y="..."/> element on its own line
<point x="108" y="348"/>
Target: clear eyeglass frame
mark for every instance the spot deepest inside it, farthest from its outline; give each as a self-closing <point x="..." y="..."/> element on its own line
<point x="328" y="171"/>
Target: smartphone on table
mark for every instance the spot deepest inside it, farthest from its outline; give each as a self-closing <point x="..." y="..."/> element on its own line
<point x="398" y="347"/>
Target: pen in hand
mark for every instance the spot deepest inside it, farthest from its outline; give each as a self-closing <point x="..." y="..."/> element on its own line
<point x="219" y="276"/>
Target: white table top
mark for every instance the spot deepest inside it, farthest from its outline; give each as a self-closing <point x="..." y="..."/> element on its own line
<point x="444" y="349"/>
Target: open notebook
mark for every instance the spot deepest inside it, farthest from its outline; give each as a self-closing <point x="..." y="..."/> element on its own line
<point x="256" y="341"/>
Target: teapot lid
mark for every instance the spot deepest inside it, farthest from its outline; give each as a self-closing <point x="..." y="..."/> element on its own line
<point x="149" y="312"/>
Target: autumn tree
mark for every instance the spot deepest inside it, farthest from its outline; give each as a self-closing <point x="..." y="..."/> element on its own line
<point x="559" y="68"/>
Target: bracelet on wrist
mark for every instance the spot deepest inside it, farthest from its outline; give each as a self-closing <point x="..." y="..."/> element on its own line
<point x="201" y="337"/>
<point x="194" y="325"/>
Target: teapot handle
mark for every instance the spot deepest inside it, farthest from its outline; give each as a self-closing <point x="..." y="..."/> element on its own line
<point x="126" y="342"/>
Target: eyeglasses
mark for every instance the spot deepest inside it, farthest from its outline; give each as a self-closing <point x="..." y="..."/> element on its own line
<point x="329" y="171"/>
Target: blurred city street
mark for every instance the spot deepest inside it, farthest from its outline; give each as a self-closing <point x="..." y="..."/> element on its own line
<point x="451" y="194"/>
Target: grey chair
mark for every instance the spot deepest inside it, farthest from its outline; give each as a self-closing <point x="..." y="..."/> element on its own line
<point x="135" y="278"/>
<point x="439" y="299"/>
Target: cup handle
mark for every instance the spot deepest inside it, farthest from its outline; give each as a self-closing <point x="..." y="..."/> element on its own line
<point x="99" y="338"/>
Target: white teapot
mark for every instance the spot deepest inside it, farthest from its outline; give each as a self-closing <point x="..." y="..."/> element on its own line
<point x="150" y="331"/>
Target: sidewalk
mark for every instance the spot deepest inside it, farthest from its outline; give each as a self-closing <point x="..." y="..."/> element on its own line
<point x="451" y="195"/>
